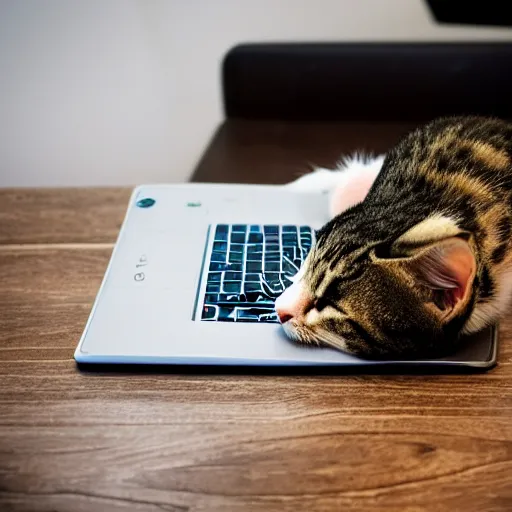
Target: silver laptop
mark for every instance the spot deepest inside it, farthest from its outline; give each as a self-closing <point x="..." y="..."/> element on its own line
<point x="193" y="278"/>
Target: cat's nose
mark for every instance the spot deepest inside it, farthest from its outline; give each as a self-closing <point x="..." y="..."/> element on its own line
<point x="294" y="302"/>
<point x="283" y="316"/>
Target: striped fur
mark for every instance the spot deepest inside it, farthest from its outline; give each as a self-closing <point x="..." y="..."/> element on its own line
<point x="388" y="276"/>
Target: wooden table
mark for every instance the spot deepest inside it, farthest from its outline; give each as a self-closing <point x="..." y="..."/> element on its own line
<point x="79" y="441"/>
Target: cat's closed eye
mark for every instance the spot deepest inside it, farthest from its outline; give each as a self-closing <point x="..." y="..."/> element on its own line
<point x="321" y="303"/>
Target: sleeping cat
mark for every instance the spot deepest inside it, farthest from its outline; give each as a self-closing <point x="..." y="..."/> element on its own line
<point x="419" y="249"/>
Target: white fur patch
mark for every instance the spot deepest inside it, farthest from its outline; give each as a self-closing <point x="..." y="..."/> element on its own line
<point x="434" y="228"/>
<point x="360" y="162"/>
<point x="346" y="185"/>
<point x="320" y="180"/>
<point x="356" y="176"/>
<point x="489" y="312"/>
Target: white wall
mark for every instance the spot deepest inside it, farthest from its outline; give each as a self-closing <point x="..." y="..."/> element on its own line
<point x="107" y="92"/>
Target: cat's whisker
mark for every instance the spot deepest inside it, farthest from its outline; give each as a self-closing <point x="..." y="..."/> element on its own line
<point x="300" y="333"/>
<point x="330" y="339"/>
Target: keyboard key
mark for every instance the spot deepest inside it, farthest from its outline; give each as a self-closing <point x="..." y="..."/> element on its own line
<point x="261" y="311"/>
<point x="272" y="266"/>
<point x="232" y="287"/>
<point x="272" y="256"/>
<point x="289" y="252"/>
<point x="235" y="267"/>
<point x="290" y="239"/>
<point x="218" y="266"/>
<point x="260" y="299"/>
<point x="247" y="315"/>
<point x="272" y="247"/>
<point x="239" y="228"/>
<point x="255" y="229"/>
<point x="226" y="314"/>
<point x="253" y="266"/>
<point x="214" y="277"/>
<point x="272" y="277"/>
<point x="252" y="287"/>
<point x="255" y="238"/>
<point x="220" y="246"/>
<point x="218" y="256"/>
<point x="252" y="249"/>
<point x="213" y="288"/>
<point x="289" y="268"/>
<point x="209" y="313"/>
<point x="287" y="281"/>
<point x="211" y="298"/>
<point x="221" y="233"/>
<point x="269" y="317"/>
<point x="236" y="248"/>
<point x="233" y="276"/>
<point x="228" y="297"/>
<point x="305" y="229"/>
<point x="236" y="257"/>
<point x="271" y="239"/>
<point x="237" y="238"/>
<point x="275" y="288"/>
<point x="252" y="277"/>
<point x="256" y="256"/>
<point x="271" y="230"/>
<point x="289" y="229"/>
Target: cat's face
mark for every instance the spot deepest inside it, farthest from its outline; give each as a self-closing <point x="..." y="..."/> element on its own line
<point x="381" y="298"/>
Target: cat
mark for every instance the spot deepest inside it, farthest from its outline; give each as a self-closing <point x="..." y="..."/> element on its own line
<point x="418" y="250"/>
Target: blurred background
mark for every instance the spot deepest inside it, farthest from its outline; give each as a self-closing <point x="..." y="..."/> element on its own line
<point x="121" y="92"/>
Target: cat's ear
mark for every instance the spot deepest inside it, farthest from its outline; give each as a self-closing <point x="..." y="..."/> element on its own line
<point x="436" y="257"/>
<point x="445" y="268"/>
<point x="448" y="269"/>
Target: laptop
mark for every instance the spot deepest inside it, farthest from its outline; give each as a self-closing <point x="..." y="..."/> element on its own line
<point x="195" y="272"/>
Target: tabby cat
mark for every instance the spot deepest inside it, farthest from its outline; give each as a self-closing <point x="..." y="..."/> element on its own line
<point x="424" y="256"/>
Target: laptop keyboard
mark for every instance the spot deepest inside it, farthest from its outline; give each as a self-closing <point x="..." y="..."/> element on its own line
<point x="249" y="267"/>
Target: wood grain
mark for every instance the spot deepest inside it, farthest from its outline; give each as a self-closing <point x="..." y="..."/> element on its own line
<point x="74" y="440"/>
<point x="66" y="215"/>
<point x="80" y="441"/>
